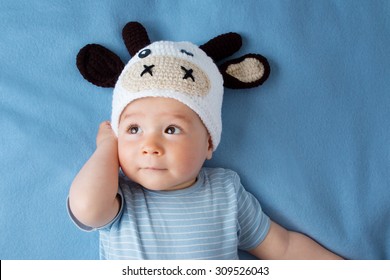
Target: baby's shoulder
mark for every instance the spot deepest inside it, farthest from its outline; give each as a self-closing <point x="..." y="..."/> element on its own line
<point x="221" y="175"/>
<point x="212" y="171"/>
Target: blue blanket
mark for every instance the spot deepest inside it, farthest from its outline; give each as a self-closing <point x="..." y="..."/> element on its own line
<point x="312" y="144"/>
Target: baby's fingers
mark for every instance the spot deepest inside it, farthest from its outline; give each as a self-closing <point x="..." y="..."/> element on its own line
<point x="106" y="125"/>
<point x="105" y="132"/>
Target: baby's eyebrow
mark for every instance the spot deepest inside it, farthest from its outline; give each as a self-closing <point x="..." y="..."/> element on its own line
<point x="131" y="115"/>
<point x="181" y="117"/>
<point x="174" y="116"/>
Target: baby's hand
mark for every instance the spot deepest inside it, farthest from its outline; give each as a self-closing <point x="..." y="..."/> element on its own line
<point x="105" y="133"/>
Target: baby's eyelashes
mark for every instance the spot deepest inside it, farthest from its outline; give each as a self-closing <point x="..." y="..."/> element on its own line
<point x="134" y="129"/>
<point x="172" y="129"/>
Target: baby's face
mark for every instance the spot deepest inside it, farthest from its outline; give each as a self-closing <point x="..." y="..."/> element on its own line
<point x="162" y="143"/>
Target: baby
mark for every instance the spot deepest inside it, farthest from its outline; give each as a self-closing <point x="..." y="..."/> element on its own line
<point x="166" y="121"/>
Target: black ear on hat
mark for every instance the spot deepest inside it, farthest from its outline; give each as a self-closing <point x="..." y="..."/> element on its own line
<point x="102" y="67"/>
<point x="250" y="70"/>
<point x="99" y="65"/>
<point x="222" y="46"/>
<point x="247" y="71"/>
<point x="135" y="37"/>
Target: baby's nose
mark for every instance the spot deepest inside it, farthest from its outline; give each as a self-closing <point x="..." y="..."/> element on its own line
<point x="152" y="148"/>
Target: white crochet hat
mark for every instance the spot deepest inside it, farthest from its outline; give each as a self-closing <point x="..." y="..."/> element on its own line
<point x="178" y="70"/>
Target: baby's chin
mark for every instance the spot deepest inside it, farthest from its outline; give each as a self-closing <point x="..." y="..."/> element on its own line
<point x="159" y="179"/>
<point x="159" y="186"/>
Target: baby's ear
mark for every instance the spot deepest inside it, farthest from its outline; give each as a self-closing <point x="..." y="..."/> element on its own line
<point x="210" y="149"/>
<point x="248" y="71"/>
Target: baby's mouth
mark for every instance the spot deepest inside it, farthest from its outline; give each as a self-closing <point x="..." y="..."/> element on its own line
<point x="153" y="169"/>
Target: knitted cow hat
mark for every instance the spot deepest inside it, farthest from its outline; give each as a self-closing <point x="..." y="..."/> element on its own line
<point x="178" y="70"/>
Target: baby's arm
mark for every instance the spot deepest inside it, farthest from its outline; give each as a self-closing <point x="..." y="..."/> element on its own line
<point x="93" y="194"/>
<point x="283" y="244"/>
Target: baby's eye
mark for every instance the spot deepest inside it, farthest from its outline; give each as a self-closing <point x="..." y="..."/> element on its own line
<point x="134" y="129"/>
<point x="172" y="130"/>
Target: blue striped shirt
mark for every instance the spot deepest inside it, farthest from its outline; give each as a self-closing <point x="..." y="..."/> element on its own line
<point x="209" y="220"/>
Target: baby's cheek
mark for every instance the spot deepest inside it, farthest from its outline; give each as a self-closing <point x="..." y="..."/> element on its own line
<point x="191" y="161"/>
<point x="125" y="156"/>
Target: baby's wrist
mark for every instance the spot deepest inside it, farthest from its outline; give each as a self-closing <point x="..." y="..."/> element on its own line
<point x="111" y="142"/>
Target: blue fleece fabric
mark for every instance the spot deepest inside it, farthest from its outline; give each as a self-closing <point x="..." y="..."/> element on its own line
<point x="312" y="144"/>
